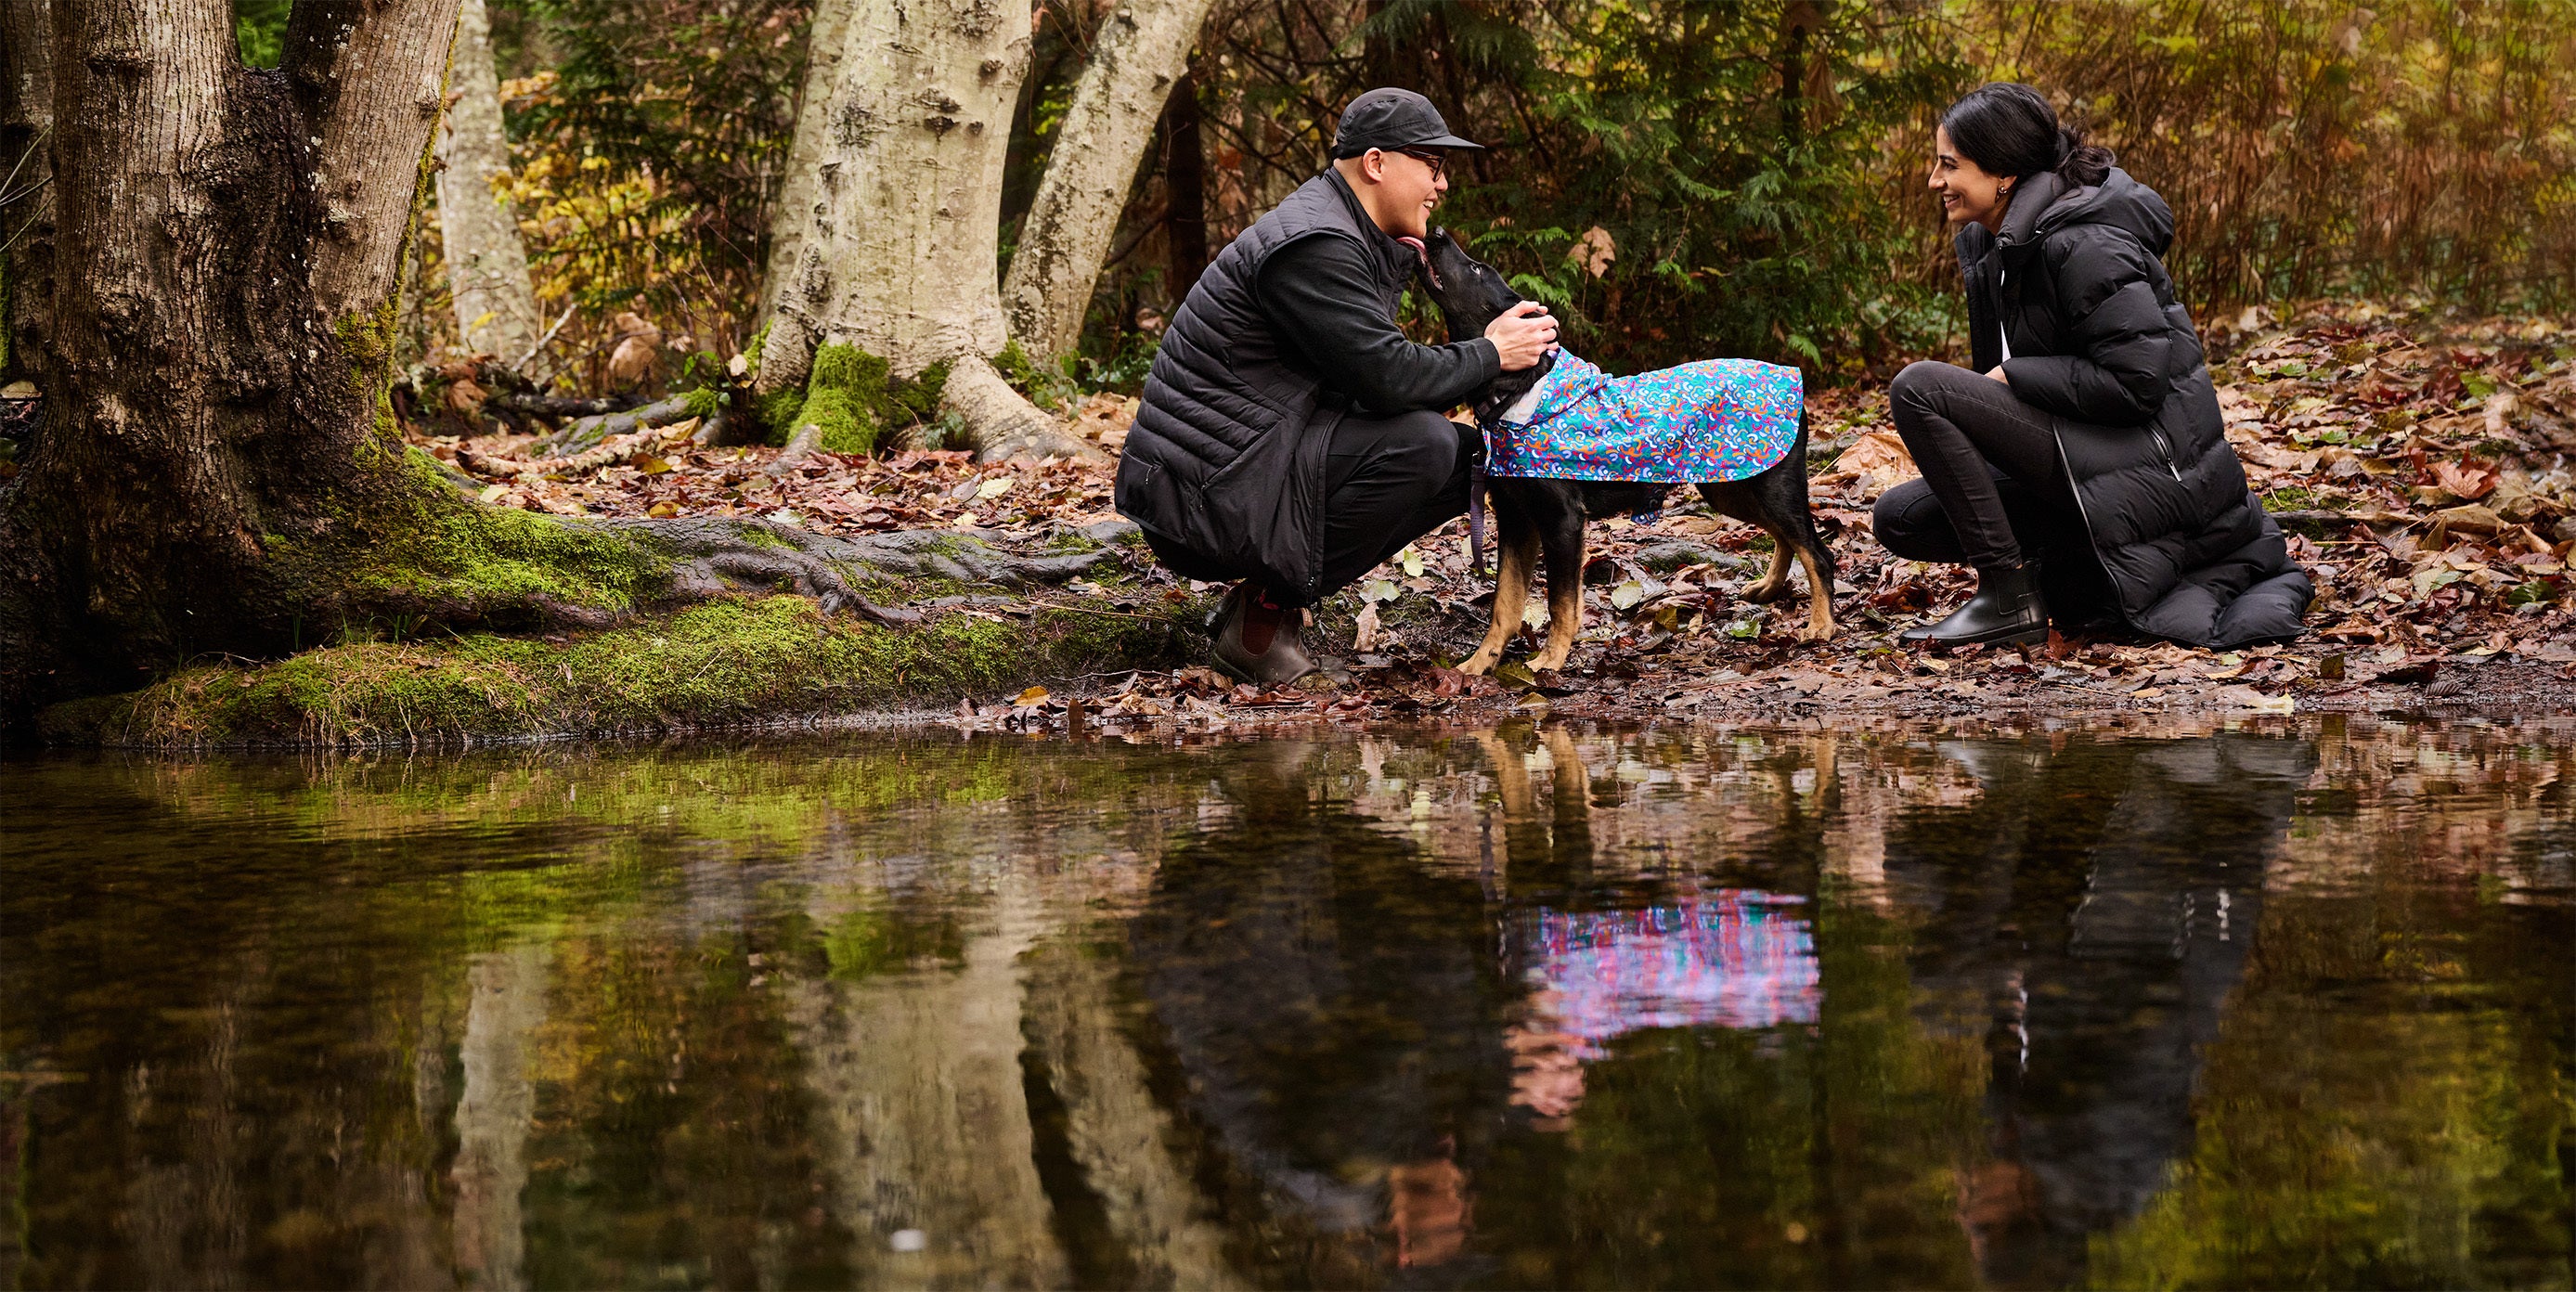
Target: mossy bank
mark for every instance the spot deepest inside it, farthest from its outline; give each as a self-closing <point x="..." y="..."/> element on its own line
<point x="733" y="663"/>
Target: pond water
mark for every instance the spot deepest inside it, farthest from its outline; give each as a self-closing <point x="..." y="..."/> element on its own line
<point x="2267" y="1005"/>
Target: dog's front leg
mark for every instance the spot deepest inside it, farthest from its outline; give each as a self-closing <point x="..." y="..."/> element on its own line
<point x="1564" y="619"/>
<point x="1511" y="597"/>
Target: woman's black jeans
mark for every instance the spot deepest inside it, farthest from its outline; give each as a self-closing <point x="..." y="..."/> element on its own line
<point x="1991" y="471"/>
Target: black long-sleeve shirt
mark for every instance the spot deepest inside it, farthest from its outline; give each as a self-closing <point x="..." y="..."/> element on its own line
<point x="1321" y="295"/>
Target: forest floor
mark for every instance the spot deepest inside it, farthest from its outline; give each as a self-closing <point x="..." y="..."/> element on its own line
<point x="2419" y="464"/>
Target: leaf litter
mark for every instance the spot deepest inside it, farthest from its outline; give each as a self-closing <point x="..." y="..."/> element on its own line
<point x="2419" y="467"/>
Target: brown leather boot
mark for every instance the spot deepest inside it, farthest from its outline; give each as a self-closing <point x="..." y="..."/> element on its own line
<point x="1258" y="640"/>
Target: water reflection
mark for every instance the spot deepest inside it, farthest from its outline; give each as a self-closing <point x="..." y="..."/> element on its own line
<point x="1528" y="1007"/>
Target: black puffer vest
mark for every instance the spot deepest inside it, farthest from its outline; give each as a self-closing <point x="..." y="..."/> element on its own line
<point x="2076" y="281"/>
<point x="1226" y="458"/>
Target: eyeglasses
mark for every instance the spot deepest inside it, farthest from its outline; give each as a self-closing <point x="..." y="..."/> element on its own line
<point x="1438" y="162"/>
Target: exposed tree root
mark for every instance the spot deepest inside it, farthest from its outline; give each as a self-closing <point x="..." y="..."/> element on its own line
<point x="591" y="459"/>
<point x="590" y="431"/>
<point x="1002" y="422"/>
<point x="718" y="555"/>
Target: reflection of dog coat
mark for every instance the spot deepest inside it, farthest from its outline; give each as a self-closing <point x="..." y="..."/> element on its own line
<point x="1719" y="419"/>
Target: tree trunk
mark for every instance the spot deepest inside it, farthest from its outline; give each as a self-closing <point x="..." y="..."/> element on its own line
<point x="1142" y="50"/>
<point x="220" y="319"/>
<point x="1185" y="238"/>
<point x="890" y="218"/>
<point x="26" y="122"/>
<point x="487" y="268"/>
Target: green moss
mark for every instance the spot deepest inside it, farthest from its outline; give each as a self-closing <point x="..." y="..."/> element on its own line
<point x="853" y="396"/>
<point x="780" y="411"/>
<point x="434" y="551"/>
<point x="1051" y="391"/>
<point x="705" y="401"/>
<point x="727" y="662"/>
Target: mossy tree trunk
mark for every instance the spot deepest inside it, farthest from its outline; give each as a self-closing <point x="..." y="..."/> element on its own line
<point x="223" y="279"/>
<point x="1141" y="53"/>
<point x="487" y="266"/>
<point x="219" y="472"/>
<point x="890" y="219"/>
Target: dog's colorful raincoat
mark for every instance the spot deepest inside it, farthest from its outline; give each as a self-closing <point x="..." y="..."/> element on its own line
<point x="1719" y="419"/>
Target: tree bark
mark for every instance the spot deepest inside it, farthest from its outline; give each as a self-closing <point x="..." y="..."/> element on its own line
<point x="221" y="314"/>
<point x="889" y="223"/>
<point x="487" y="266"/>
<point x="26" y="123"/>
<point x="1185" y="238"/>
<point x="1142" y="50"/>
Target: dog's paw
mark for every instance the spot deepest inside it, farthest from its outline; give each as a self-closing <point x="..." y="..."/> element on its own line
<point x="1476" y="666"/>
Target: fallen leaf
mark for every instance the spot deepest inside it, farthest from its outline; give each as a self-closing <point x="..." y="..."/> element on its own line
<point x="1366" y="637"/>
<point x="1033" y="696"/>
<point x="2467" y="479"/>
<point x="1877" y="461"/>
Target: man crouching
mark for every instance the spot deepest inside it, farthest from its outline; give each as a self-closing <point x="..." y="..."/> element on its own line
<point x="1290" y="438"/>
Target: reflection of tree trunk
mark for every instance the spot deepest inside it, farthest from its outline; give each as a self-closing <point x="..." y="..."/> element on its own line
<point x="508" y="1006"/>
<point x="1118" y="1133"/>
<point x="917" y="1076"/>
<point x="487" y="268"/>
<point x="1143" y="47"/>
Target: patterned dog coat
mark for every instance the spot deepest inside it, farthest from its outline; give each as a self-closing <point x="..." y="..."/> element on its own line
<point x="1719" y="419"/>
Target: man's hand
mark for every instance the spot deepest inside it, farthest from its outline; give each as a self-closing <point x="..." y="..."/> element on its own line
<point x="1522" y="335"/>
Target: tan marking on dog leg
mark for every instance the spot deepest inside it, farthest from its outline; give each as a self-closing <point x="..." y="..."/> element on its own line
<point x="1820" y="601"/>
<point x="1511" y="597"/>
<point x="1774" y="583"/>
<point x="1564" y="621"/>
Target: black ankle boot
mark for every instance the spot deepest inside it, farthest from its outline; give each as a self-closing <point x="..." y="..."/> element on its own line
<point x="2007" y="610"/>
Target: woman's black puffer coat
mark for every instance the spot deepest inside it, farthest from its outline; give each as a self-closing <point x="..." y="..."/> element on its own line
<point x="2075" y="279"/>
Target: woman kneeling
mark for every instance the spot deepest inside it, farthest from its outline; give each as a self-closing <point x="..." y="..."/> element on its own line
<point x="2085" y="442"/>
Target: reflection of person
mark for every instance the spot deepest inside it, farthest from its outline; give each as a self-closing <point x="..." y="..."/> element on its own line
<point x="2085" y="440"/>
<point x="1290" y="437"/>
<point x="2104" y="913"/>
<point x="1333" y="1005"/>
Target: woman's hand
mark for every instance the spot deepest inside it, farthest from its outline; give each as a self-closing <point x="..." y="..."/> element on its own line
<point x="1996" y="373"/>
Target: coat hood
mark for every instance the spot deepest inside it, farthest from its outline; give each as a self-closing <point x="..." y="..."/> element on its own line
<point x="2046" y="205"/>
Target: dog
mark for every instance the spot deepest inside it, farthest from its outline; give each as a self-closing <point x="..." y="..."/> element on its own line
<point x="1543" y="519"/>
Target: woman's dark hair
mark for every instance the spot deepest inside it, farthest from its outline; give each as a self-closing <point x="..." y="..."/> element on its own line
<point x="2008" y="129"/>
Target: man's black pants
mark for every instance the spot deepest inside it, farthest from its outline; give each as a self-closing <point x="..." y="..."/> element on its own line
<point x="1387" y="482"/>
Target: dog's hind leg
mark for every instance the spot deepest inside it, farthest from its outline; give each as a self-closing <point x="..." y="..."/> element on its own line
<point x="1795" y="538"/>
<point x="1774" y="583"/>
<point x="1513" y="559"/>
<point x="1820" y="592"/>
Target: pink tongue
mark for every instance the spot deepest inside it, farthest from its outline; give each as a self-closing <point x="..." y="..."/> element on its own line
<point x="1422" y="254"/>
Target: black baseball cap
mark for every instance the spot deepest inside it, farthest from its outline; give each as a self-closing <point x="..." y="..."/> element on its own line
<point x="1391" y="119"/>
